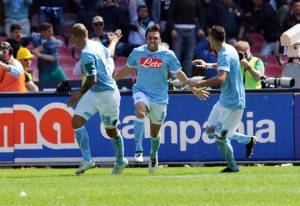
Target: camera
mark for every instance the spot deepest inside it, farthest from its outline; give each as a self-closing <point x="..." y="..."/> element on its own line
<point x="291" y="40"/>
<point x="241" y="55"/>
<point x="275" y="82"/>
<point x="63" y="87"/>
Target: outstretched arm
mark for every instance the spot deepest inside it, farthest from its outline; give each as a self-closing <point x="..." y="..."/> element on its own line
<point x="201" y="93"/>
<point x="217" y="80"/>
<point x="182" y="77"/>
<point x="199" y="63"/>
<point x="124" y="72"/>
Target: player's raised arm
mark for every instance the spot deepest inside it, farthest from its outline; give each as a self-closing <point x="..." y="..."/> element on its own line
<point x="114" y="38"/>
<point x="123" y="73"/>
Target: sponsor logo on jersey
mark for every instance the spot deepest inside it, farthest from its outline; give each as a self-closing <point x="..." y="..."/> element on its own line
<point x="151" y="63"/>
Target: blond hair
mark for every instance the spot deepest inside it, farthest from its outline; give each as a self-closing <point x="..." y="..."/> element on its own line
<point x="79" y="30"/>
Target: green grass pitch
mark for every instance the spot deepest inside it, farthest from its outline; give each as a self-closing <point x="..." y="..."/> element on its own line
<point x="168" y="186"/>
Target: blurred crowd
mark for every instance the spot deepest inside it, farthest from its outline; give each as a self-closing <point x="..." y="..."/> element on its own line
<point x="43" y="27"/>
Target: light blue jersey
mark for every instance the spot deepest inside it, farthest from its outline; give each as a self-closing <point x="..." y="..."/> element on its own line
<point x="94" y="59"/>
<point x="232" y="90"/>
<point x="152" y="71"/>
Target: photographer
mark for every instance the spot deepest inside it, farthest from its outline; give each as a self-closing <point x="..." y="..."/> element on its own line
<point x="12" y="78"/>
<point x="252" y="68"/>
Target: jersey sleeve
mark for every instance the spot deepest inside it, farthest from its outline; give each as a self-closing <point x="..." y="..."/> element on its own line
<point x="174" y="65"/>
<point x="224" y="63"/>
<point x="259" y="66"/>
<point x="107" y="52"/>
<point x="132" y="60"/>
<point x="88" y="64"/>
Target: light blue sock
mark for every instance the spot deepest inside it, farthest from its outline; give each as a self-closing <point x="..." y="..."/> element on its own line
<point x="226" y="150"/>
<point x="139" y="130"/>
<point x="118" y="146"/>
<point x="82" y="138"/>
<point x="155" y="142"/>
<point x="241" y="138"/>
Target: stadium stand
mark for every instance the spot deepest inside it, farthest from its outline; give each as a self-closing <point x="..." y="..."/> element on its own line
<point x="256" y="42"/>
<point x="256" y="37"/>
<point x="65" y="51"/>
<point x="35" y="22"/>
<point x="2" y="38"/>
<point x="273" y="70"/>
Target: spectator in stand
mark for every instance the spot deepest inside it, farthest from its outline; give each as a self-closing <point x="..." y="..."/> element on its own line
<point x="293" y="18"/>
<point x="86" y="10"/>
<point x="132" y="8"/>
<point x="12" y="77"/>
<point x="98" y="31"/>
<point x="17" y="12"/>
<point x="160" y="9"/>
<point x="264" y="18"/>
<point x="52" y="11"/>
<point x="105" y="37"/>
<point x="15" y="38"/>
<point x="252" y="68"/>
<point x="115" y="18"/>
<point x="1" y="18"/>
<point x="46" y="49"/>
<point x="182" y="17"/>
<point x="209" y="14"/>
<point x="25" y="57"/>
<point x="283" y="10"/>
<point x="246" y="5"/>
<point x="138" y="28"/>
<point x="204" y="52"/>
<point x="230" y="16"/>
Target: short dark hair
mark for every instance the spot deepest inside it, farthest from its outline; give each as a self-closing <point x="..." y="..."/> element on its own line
<point x="45" y="26"/>
<point x="141" y="7"/>
<point x="218" y="33"/>
<point x="153" y="28"/>
<point x="15" y="27"/>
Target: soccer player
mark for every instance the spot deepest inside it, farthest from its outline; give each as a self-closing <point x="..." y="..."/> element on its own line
<point x="227" y="112"/>
<point x="99" y="93"/>
<point x="150" y="93"/>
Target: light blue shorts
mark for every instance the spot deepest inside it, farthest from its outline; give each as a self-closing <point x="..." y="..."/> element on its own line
<point x="156" y="112"/>
<point x="224" y="119"/>
<point x="107" y="103"/>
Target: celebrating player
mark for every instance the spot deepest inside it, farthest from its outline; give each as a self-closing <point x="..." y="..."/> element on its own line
<point x="227" y="112"/>
<point x="99" y="93"/>
<point x="150" y="93"/>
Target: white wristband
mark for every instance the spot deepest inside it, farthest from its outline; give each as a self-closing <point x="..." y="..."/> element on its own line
<point x="209" y="65"/>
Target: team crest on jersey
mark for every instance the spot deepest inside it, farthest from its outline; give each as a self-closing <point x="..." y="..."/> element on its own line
<point x="151" y="62"/>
